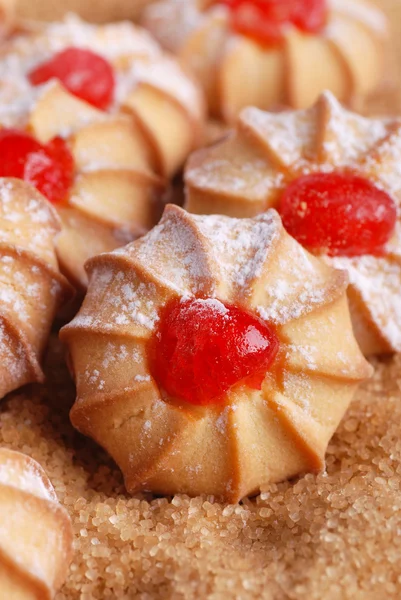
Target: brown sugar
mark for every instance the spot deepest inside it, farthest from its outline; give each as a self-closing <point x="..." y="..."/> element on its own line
<point x="335" y="535"/>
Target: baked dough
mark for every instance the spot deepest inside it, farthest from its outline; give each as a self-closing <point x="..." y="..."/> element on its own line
<point x="124" y="158"/>
<point x="257" y="436"/>
<point x="35" y="531"/>
<point x="346" y="57"/>
<point x="247" y="173"/>
<point x="31" y="285"/>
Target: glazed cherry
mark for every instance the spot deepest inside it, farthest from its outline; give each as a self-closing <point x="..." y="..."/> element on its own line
<point x="49" y="168"/>
<point x="338" y="213"/>
<point x="203" y="347"/>
<point x="265" y="20"/>
<point x="84" y="73"/>
<point x="309" y="15"/>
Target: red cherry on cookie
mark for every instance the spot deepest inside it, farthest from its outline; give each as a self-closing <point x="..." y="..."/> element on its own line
<point x="338" y="213"/>
<point x="265" y="20"/>
<point x="82" y="72"/>
<point x="49" y="168"/>
<point x="309" y="15"/>
<point x="203" y="347"/>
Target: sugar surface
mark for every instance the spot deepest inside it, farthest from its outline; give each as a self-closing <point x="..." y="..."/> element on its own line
<point x="327" y="536"/>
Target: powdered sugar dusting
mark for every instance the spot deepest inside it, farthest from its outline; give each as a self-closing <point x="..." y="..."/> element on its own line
<point x="378" y="280"/>
<point x="134" y="307"/>
<point x="219" y="257"/>
<point x="27" y="220"/>
<point x="212" y="304"/>
<point x="236" y="259"/>
<point x="299" y="285"/>
<point x="240" y="247"/>
<point x="166" y="75"/>
<point x="347" y="137"/>
<point x="188" y="267"/>
<point x="135" y="56"/>
<point x="384" y="163"/>
<point x="231" y="170"/>
<point x="173" y="21"/>
<point x="185" y="254"/>
<point x="289" y="136"/>
<point x="24" y="474"/>
<point x="13" y="358"/>
<point x="33" y="208"/>
<point x="29" y="281"/>
<point x="321" y="139"/>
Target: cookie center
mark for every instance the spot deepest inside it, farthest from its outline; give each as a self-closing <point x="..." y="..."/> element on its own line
<point x="338" y="214"/>
<point x="82" y="72"/>
<point x="203" y="347"/>
<point x="265" y="21"/>
<point x="49" y="167"/>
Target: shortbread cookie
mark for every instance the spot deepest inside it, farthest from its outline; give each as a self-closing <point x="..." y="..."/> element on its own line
<point x="345" y="170"/>
<point x="32" y="287"/>
<point x="127" y="116"/>
<point x="35" y="531"/>
<point x="273" y="54"/>
<point x="213" y="356"/>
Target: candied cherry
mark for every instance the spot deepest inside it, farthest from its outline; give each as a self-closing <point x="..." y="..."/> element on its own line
<point x="203" y="347"/>
<point x="309" y="15"/>
<point x="338" y="213"/>
<point x="265" y="20"/>
<point x="49" y="168"/>
<point x="82" y="72"/>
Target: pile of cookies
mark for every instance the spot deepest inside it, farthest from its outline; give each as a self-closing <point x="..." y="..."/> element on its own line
<point x="201" y="205"/>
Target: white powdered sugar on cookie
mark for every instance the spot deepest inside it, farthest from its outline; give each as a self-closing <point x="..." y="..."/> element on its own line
<point x="162" y="17"/>
<point x="283" y="147"/>
<point x="27" y="477"/>
<point x="136" y="57"/>
<point x="289" y="135"/>
<point x="240" y="252"/>
<point x="163" y="297"/>
<point x="131" y="139"/>
<point x="32" y="287"/>
<point x="241" y="63"/>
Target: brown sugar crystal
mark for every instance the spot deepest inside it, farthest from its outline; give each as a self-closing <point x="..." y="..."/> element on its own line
<point x="328" y="536"/>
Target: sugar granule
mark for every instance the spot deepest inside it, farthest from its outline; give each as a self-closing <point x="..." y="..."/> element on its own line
<point x="332" y="535"/>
